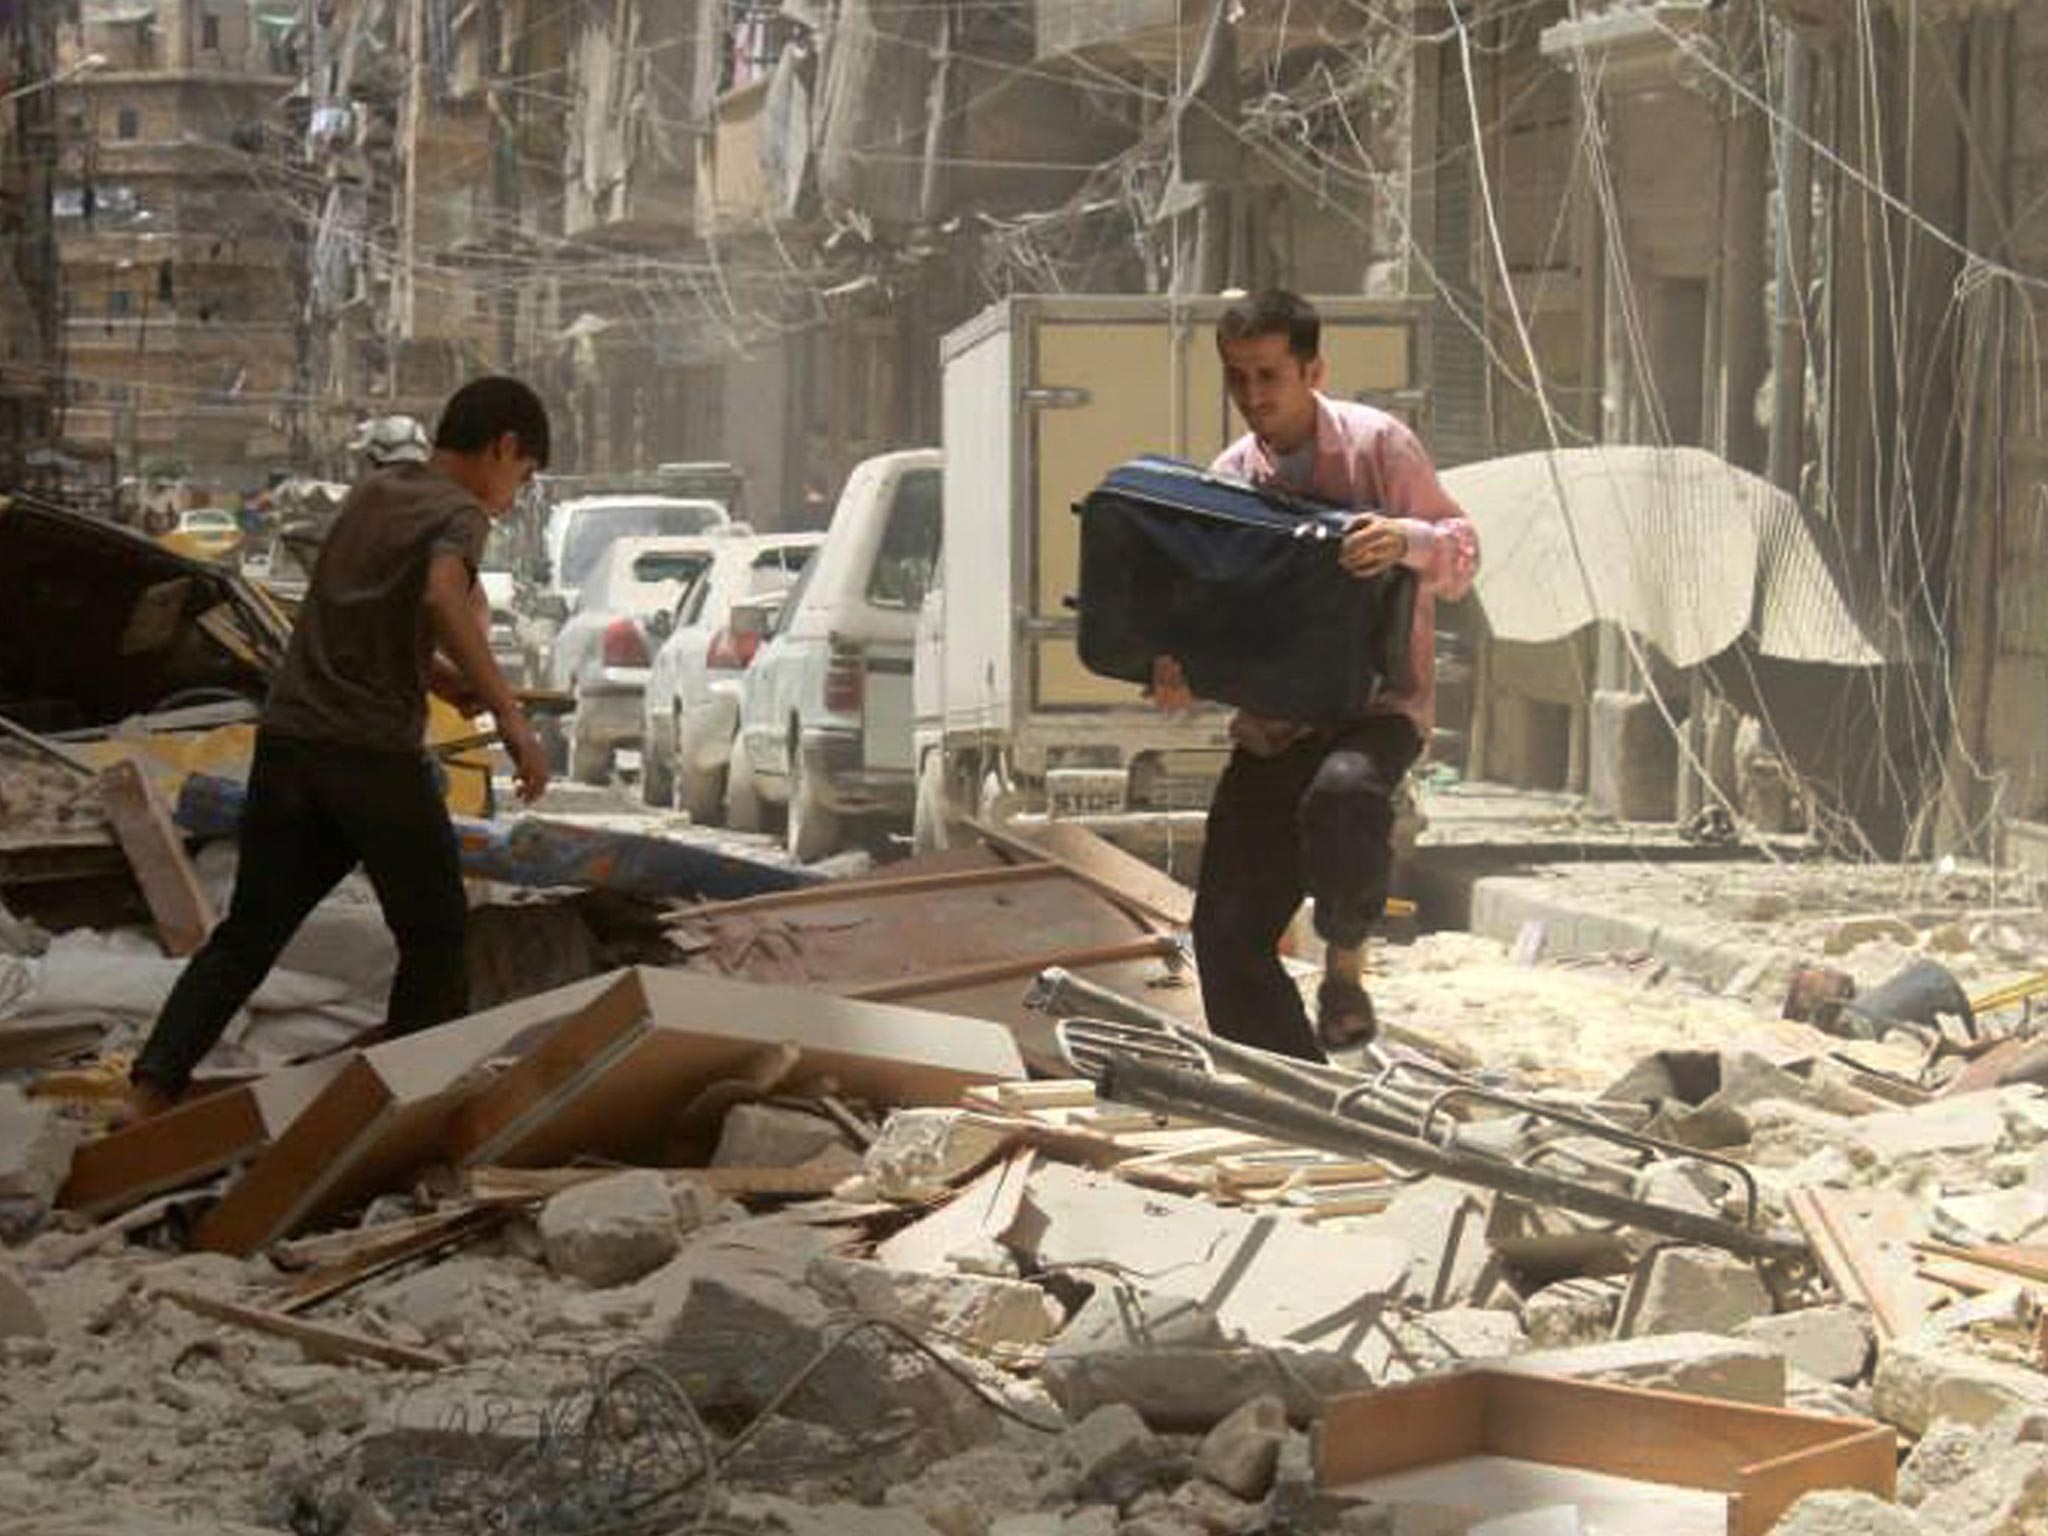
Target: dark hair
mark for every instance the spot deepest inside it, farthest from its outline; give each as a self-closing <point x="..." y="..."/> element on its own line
<point x="485" y="409"/>
<point x="1274" y="312"/>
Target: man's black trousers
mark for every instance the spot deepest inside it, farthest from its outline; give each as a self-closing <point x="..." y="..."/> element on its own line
<point x="315" y="811"/>
<point x="1315" y="820"/>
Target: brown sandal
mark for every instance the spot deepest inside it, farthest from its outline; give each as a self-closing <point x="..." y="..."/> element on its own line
<point x="1344" y="1014"/>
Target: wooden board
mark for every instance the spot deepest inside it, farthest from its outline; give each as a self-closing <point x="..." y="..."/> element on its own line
<point x="1863" y="1241"/>
<point x="191" y="1141"/>
<point x="383" y="1116"/>
<point x="156" y="852"/>
<point x="609" y="1088"/>
<point x="1762" y="1459"/>
<point x="317" y="1339"/>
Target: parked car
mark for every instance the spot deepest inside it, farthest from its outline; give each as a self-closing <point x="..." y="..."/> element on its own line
<point x="603" y="653"/>
<point x="825" y="709"/>
<point x="573" y="539"/>
<point x="206" y="533"/>
<point x="692" y="704"/>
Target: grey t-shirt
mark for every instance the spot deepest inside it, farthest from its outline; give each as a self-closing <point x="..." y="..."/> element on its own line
<point x="355" y="673"/>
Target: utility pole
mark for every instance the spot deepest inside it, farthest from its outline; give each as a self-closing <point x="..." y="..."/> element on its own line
<point x="403" y="312"/>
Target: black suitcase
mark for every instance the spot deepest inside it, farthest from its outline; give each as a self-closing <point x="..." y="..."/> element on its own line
<point x="1241" y="584"/>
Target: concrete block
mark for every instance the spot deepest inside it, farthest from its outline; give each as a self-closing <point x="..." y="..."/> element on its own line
<point x="1827" y="1343"/>
<point x="1699" y="1290"/>
<point x="1634" y="759"/>
<point x="986" y="1311"/>
<point x="1949" y="1453"/>
<point x="1241" y="1454"/>
<point x="1974" y="1122"/>
<point x="1110" y="1444"/>
<point x="1426" y="1216"/>
<point x="612" y="1230"/>
<point x="2008" y="1497"/>
<point x="1846" y="1514"/>
<point x="1703" y="1364"/>
<point x="764" y="1136"/>
<point x="1573" y="1312"/>
<point x="1919" y="1382"/>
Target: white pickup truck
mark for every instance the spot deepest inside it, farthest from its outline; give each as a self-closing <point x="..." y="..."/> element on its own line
<point x="1042" y="397"/>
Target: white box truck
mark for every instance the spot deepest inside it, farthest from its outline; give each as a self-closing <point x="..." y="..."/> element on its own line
<point x="1042" y="397"/>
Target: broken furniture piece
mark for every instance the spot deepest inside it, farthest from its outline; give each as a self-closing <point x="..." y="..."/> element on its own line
<point x="1482" y="1444"/>
<point x="1150" y="1061"/>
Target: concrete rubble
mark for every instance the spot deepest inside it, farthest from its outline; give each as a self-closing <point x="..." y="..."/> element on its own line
<point x="861" y="1276"/>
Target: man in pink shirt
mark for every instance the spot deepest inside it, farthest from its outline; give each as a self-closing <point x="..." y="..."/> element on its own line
<point x="1301" y="810"/>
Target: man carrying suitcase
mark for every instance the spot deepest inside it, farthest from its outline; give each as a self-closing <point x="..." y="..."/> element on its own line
<point x="1303" y="810"/>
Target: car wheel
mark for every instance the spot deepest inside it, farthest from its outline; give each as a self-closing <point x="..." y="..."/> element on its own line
<point x="657" y="764"/>
<point x="589" y="762"/>
<point x="742" y="800"/>
<point x="699" y="792"/>
<point x="813" y="825"/>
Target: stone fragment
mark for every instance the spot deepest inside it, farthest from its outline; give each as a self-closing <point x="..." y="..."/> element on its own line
<point x="1439" y="1220"/>
<point x="1847" y="1514"/>
<point x="1216" y="1511"/>
<point x="1036" y="1524"/>
<point x="970" y="1307"/>
<point x="1699" y="1290"/>
<point x="1827" y="1343"/>
<point x="1192" y="1390"/>
<point x="1949" y="1453"/>
<point x="20" y="1317"/>
<point x="750" y="1324"/>
<point x="1974" y="1122"/>
<point x="766" y="1136"/>
<point x="1111" y="1452"/>
<point x="612" y="1230"/>
<point x="1702" y="1364"/>
<point x="1163" y="1522"/>
<point x="1436" y="1340"/>
<point x="1241" y="1454"/>
<point x="1845" y="934"/>
<point x="35" y="1147"/>
<point x="962" y="1494"/>
<point x="1093" y="1520"/>
<point x="922" y="1153"/>
<point x="2008" y="1496"/>
<point x="1920" y="1381"/>
<point x="1573" y="1312"/>
<point x="1116" y="1317"/>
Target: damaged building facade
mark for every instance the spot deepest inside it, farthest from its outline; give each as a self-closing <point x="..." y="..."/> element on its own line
<point x="177" y="251"/>
<point x="738" y="231"/>
<point x="30" y="342"/>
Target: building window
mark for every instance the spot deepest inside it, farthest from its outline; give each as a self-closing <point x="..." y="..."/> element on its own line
<point x="118" y="300"/>
<point x="128" y="124"/>
<point x="209" y="32"/>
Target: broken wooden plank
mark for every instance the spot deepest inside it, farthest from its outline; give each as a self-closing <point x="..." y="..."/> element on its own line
<point x="46" y="1038"/>
<point x="317" y="1339"/>
<point x="1113" y="880"/>
<point x="606" y="1087"/>
<point x="1077" y="848"/>
<point x="2020" y="1261"/>
<point x="382" y="1115"/>
<point x="156" y="852"/>
<point x="449" y="1230"/>
<point x="930" y="983"/>
<point x="193" y="1140"/>
<point x="1863" y="1241"/>
<point x="876" y="887"/>
<point x="807" y="1180"/>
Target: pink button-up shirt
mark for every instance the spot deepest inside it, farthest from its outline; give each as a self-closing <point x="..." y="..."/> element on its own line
<point x="1366" y="459"/>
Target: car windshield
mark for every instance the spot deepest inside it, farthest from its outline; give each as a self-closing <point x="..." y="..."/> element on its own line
<point x="595" y="529"/>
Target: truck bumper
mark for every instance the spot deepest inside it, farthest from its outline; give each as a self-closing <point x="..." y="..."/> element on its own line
<point x="834" y="761"/>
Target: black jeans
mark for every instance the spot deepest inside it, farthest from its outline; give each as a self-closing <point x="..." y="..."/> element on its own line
<point x="315" y="811"/>
<point x="1316" y="820"/>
